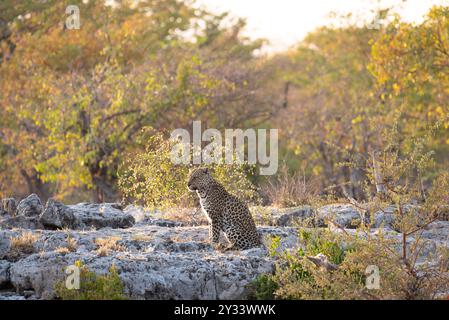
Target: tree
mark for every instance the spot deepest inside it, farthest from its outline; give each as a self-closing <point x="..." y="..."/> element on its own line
<point x="411" y="66"/>
<point x="75" y="100"/>
<point x="332" y="107"/>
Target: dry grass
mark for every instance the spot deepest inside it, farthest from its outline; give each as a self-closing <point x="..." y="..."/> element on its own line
<point x="71" y="244"/>
<point x="290" y="190"/>
<point x="24" y="243"/>
<point x="188" y="216"/>
<point x="106" y="245"/>
<point x="22" y="246"/>
<point x="142" y="237"/>
<point x="63" y="250"/>
<point x="70" y="247"/>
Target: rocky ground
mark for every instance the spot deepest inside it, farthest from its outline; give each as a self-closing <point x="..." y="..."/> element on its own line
<point x="156" y="258"/>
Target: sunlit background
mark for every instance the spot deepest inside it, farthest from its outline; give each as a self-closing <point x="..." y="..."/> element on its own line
<point x="285" y="22"/>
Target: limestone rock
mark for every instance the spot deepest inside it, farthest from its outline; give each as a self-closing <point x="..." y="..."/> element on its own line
<point x="299" y="214"/>
<point x="102" y="215"/>
<point x="344" y="215"/>
<point x="4" y="273"/>
<point x="30" y="206"/>
<point x="56" y="215"/>
<point x="21" y="222"/>
<point x="154" y="262"/>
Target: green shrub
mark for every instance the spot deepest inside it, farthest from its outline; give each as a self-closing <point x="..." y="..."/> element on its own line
<point x="93" y="286"/>
<point x="322" y="241"/>
<point x="152" y="179"/>
<point x="264" y="287"/>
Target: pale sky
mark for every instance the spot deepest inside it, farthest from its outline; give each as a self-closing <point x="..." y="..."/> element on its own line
<point x="285" y="22"/>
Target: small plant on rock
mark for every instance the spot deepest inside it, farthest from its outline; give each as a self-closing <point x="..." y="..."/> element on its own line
<point x="105" y="245"/>
<point x="22" y="245"/>
<point x="93" y="286"/>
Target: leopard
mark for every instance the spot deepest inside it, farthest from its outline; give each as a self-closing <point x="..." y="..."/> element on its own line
<point x="225" y="213"/>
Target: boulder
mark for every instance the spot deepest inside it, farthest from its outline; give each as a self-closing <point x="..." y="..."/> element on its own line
<point x="9" y="206"/>
<point x="345" y="215"/>
<point x="20" y="222"/>
<point x="30" y="206"/>
<point x="385" y="218"/>
<point x="292" y="217"/>
<point x="103" y="215"/>
<point x="32" y="215"/>
<point x="4" y="273"/>
<point x="56" y="215"/>
<point x="4" y="243"/>
<point x="437" y="231"/>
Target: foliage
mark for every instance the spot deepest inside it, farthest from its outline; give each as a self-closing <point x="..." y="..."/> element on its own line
<point x="73" y="101"/>
<point x="151" y="178"/>
<point x="263" y="287"/>
<point x="403" y="272"/>
<point x="296" y="277"/>
<point x="93" y="286"/>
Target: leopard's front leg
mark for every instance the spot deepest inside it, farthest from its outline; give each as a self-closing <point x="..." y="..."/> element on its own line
<point x="214" y="232"/>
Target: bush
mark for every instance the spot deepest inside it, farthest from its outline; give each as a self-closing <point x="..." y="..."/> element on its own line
<point x="264" y="288"/>
<point x="93" y="286"/>
<point x="152" y="179"/>
<point x="297" y="277"/>
<point x="406" y="271"/>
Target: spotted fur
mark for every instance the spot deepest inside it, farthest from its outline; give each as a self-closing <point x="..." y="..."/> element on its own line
<point x="224" y="211"/>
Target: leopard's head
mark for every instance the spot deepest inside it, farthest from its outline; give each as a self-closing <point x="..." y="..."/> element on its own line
<point x="199" y="179"/>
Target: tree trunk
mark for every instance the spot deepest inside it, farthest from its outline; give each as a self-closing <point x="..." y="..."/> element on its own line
<point x="37" y="186"/>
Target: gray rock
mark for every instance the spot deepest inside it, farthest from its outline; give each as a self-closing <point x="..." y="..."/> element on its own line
<point x="386" y="217"/>
<point x="150" y="275"/>
<point x="437" y="231"/>
<point x="21" y="222"/>
<point x="9" y="206"/>
<point x="299" y="214"/>
<point x="140" y="213"/>
<point x="161" y="222"/>
<point x="30" y="206"/>
<point x="4" y="273"/>
<point x="101" y="215"/>
<point x="56" y="215"/>
<point x="11" y="296"/>
<point x="160" y="259"/>
<point x="345" y="215"/>
<point x="4" y="243"/>
<point x="153" y="262"/>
